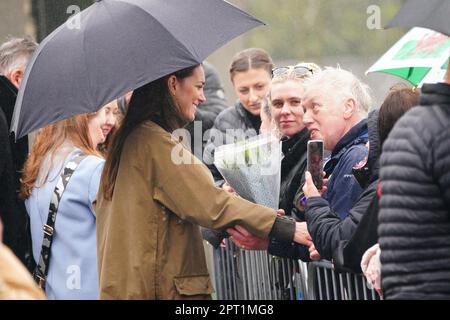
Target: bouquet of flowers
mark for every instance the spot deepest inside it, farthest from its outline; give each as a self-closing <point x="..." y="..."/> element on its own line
<point x="253" y="168"/>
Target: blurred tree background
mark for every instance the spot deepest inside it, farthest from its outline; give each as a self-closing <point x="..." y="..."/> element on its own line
<point x="329" y="33"/>
<point x="320" y="28"/>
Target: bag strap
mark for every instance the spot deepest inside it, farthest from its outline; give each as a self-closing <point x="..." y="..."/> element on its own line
<point x="41" y="271"/>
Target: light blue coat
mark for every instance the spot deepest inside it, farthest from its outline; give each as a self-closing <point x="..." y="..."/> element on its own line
<point x="72" y="272"/>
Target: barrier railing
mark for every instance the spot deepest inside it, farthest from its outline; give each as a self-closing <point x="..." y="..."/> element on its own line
<point x="256" y="275"/>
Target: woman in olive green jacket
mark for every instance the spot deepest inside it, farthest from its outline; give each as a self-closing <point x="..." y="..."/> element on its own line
<point x="154" y="194"/>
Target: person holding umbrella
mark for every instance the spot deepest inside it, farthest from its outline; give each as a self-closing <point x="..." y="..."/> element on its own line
<point x="150" y="204"/>
<point x="150" y="201"/>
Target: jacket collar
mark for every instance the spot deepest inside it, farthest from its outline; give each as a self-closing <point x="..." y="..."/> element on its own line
<point x="245" y="115"/>
<point x="240" y="108"/>
<point x="435" y="94"/>
<point x="356" y="135"/>
<point x="294" y="142"/>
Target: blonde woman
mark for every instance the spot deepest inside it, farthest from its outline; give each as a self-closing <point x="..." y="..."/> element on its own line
<point x="286" y="112"/>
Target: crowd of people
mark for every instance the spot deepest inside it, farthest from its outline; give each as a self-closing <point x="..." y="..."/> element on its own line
<point x="98" y="208"/>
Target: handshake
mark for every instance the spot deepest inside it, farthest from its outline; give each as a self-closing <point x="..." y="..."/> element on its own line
<point x="242" y="238"/>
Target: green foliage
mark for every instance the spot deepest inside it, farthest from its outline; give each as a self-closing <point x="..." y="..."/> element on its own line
<point x="298" y="29"/>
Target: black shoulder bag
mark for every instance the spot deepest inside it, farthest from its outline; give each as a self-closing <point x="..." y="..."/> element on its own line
<point x="41" y="271"/>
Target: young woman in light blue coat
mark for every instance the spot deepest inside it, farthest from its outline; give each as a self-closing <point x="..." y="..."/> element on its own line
<point x="72" y="269"/>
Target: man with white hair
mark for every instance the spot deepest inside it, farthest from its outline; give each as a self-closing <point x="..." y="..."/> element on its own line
<point x="335" y="107"/>
<point x="14" y="56"/>
<point x="336" y="104"/>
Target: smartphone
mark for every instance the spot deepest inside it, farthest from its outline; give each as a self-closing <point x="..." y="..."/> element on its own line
<point x="315" y="162"/>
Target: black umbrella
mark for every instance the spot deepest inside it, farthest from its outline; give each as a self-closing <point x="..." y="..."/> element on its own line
<point x="430" y="14"/>
<point x="119" y="46"/>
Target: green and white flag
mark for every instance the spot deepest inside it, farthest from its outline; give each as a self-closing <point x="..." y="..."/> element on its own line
<point x="420" y="56"/>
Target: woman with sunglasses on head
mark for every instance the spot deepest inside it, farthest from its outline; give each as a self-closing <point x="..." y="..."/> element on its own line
<point x="250" y="74"/>
<point x="287" y="114"/>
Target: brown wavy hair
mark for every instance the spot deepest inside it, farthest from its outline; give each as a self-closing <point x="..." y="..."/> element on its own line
<point x="154" y="102"/>
<point x="49" y="140"/>
<point x="400" y="99"/>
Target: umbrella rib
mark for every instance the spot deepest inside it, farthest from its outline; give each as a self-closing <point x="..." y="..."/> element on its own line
<point x="164" y="27"/>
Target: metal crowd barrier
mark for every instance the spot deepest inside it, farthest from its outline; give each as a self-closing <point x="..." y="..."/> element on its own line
<point x="255" y="275"/>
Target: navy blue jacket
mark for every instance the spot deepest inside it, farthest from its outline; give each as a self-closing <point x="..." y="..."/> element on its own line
<point x="343" y="189"/>
<point x="327" y="229"/>
<point x="293" y="169"/>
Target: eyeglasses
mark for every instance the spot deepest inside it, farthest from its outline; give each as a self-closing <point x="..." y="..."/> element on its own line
<point x="297" y="71"/>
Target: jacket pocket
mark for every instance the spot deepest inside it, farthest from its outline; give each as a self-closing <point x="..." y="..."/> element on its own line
<point x="193" y="285"/>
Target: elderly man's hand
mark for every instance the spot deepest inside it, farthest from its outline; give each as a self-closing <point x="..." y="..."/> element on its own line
<point x="302" y="235"/>
<point x="309" y="188"/>
<point x="314" y="255"/>
<point x="245" y="240"/>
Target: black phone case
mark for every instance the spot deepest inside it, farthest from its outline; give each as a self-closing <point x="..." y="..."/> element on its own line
<point x="315" y="162"/>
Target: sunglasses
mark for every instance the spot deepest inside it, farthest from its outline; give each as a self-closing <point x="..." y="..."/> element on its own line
<point x="296" y="71"/>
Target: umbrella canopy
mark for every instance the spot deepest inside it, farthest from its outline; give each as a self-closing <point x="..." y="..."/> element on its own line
<point x="430" y="14"/>
<point x="419" y="56"/>
<point x="119" y="46"/>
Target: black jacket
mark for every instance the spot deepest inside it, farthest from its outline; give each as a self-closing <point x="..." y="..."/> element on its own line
<point x="348" y="255"/>
<point x="414" y="217"/>
<point x="293" y="168"/>
<point x="12" y="158"/>
<point x="8" y="205"/>
<point x="231" y="125"/>
<point x="19" y="148"/>
<point x="325" y="226"/>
